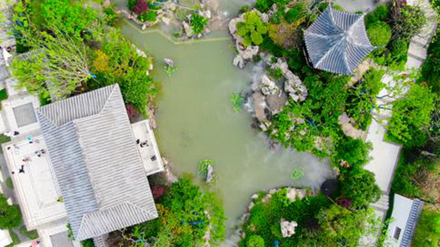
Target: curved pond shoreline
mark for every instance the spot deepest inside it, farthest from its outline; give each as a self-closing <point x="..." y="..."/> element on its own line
<point x="196" y="121"/>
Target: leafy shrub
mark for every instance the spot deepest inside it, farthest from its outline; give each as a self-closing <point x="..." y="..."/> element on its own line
<point x="265" y="5"/>
<point x="3" y="94"/>
<point x="427" y="233"/>
<point x="430" y="72"/>
<point x="360" y="186"/>
<point x="379" y="33"/>
<point x="29" y="234"/>
<point x="198" y="23"/>
<point x="296" y="12"/>
<point x="411" y="116"/>
<point x="141" y="7"/>
<point x="252" y="29"/>
<point x="149" y="16"/>
<point x="399" y="50"/>
<point x="353" y="151"/>
<point x="111" y="17"/>
<point x="407" y="20"/>
<point x="184" y="216"/>
<point x="9" y="183"/>
<point x="87" y="243"/>
<point x="11" y="215"/>
<point x="4" y="139"/>
<point x="380" y="13"/>
<point x="362" y="99"/>
<point x="255" y="241"/>
<point x="403" y="182"/>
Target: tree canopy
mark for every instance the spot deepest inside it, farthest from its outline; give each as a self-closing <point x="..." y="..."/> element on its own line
<point x="10" y="216"/>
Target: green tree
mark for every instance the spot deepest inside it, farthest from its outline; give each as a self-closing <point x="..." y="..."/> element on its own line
<point x="10" y="216"/>
<point x="342" y="227"/>
<point x="252" y="29"/>
<point x="411" y="117"/>
<point x="186" y="214"/>
<point x="56" y="67"/>
<point x="352" y="151"/>
<point x="360" y="186"/>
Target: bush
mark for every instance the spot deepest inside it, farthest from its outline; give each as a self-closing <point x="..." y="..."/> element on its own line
<point x="430" y="72"/>
<point x="255" y="241"/>
<point x="14" y="237"/>
<point x="411" y="117"/>
<point x="141" y="7"/>
<point x="399" y="50"/>
<point x="29" y="234"/>
<point x="11" y="215"/>
<point x="379" y="33"/>
<point x="252" y="29"/>
<point x="406" y="20"/>
<point x="353" y="151"/>
<point x="198" y="23"/>
<point x="149" y="16"/>
<point x="87" y="243"/>
<point x="9" y="183"/>
<point x="296" y="12"/>
<point x="403" y="182"/>
<point x="3" y="94"/>
<point x="427" y="233"/>
<point x="4" y="139"/>
<point x="380" y="13"/>
<point x="360" y="186"/>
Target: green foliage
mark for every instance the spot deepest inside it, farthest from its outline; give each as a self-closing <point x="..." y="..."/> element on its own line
<point x="203" y="166"/>
<point x="379" y="33"/>
<point x="380" y="13"/>
<point x="4" y="139"/>
<point x="360" y="186"/>
<point x="3" y="94"/>
<point x="406" y="20"/>
<point x="31" y="234"/>
<point x="198" y="23"/>
<point x="10" y="215"/>
<point x="9" y="183"/>
<point x="404" y="182"/>
<point x="70" y="232"/>
<point x="111" y="17"/>
<point x="362" y="99"/>
<point x="131" y="4"/>
<point x="314" y="121"/>
<point x="252" y="29"/>
<point x="427" y="233"/>
<point x="297" y="12"/>
<point x="412" y="116"/>
<point x="266" y="5"/>
<point x="64" y="15"/>
<point x="399" y="50"/>
<point x="65" y="56"/>
<point x="182" y="219"/>
<point x="15" y="238"/>
<point x="149" y="16"/>
<point x="342" y="227"/>
<point x="87" y="243"/>
<point x="353" y="151"/>
<point x="255" y="241"/>
<point x="430" y="72"/>
<point x="264" y="219"/>
<point x="237" y="101"/>
<point x="118" y="62"/>
<point x="297" y="174"/>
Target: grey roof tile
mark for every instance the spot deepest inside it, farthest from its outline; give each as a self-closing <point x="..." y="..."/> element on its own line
<point x="98" y="167"/>
<point x="337" y="41"/>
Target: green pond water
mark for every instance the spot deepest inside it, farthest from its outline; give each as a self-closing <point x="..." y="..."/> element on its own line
<point x="196" y="121"/>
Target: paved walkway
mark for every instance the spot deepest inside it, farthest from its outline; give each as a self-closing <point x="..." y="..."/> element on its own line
<point x="386" y="155"/>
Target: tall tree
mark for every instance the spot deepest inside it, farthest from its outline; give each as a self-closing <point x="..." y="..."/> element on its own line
<point x="10" y="216"/>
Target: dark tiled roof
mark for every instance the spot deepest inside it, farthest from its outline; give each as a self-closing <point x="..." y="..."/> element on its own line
<point x="414" y="214"/>
<point x="337" y="41"/>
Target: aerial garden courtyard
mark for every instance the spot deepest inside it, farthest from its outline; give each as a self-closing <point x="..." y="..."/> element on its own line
<point x="261" y="109"/>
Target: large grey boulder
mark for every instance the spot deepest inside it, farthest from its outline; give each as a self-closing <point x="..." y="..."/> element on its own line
<point x="268" y="87"/>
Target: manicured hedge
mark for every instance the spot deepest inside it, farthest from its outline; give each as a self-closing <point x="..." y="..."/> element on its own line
<point x="379" y="33"/>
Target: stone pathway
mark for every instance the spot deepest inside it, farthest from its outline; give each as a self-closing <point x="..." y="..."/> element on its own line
<point x="385" y="155"/>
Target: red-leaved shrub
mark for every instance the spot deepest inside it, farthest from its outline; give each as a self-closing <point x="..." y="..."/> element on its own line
<point x="141" y="7"/>
<point x="158" y="191"/>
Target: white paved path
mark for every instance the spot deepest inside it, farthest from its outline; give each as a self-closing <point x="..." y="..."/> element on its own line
<point x="386" y="155"/>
